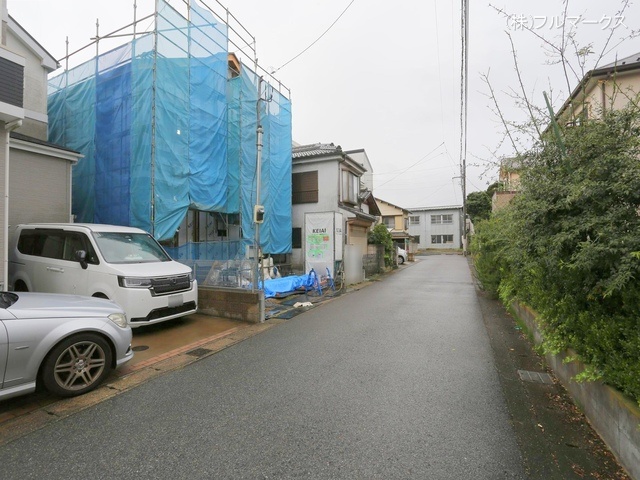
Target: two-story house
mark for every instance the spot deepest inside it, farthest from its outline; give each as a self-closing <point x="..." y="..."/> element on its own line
<point x="396" y="220"/>
<point x="331" y="210"/>
<point x="509" y="183"/>
<point x="609" y="87"/>
<point x="35" y="184"/>
<point x="436" y="227"/>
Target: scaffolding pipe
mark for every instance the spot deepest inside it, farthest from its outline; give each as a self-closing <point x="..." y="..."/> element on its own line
<point x="97" y="41"/>
<point x="109" y="35"/>
<point x="135" y="13"/>
<point x="153" y="121"/>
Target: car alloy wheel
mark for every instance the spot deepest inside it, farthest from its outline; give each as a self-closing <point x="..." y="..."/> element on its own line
<point x="77" y="365"/>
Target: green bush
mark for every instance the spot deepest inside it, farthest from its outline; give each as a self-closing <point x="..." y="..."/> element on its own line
<point x="487" y="249"/>
<point x="568" y="245"/>
<point x="380" y="235"/>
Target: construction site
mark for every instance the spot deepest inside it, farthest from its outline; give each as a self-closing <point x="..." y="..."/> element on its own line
<point x="182" y="134"/>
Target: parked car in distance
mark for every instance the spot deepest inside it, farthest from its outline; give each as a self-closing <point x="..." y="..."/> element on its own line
<point x="67" y="343"/>
<point x="123" y="264"/>
<point x="402" y="255"/>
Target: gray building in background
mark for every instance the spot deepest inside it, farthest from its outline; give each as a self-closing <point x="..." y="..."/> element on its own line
<point x="436" y="227"/>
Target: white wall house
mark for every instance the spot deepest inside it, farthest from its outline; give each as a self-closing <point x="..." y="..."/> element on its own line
<point x="331" y="209"/>
<point x="436" y="227"/>
<point x="35" y="176"/>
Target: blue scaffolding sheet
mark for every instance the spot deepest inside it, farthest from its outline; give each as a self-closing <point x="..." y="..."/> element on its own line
<point x="162" y="130"/>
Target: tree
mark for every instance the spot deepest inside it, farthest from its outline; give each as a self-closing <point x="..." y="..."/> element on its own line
<point x="478" y="206"/>
<point x="568" y="245"/>
<point x="380" y="236"/>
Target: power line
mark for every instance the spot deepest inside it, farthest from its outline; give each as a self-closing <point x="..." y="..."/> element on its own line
<point x="435" y="8"/>
<point x="316" y="40"/>
<point x="411" y="166"/>
<point x="442" y="167"/>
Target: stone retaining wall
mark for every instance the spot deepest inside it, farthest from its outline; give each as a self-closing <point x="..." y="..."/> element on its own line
<point x="232" y="303"/>
<point x="615" y="417"/>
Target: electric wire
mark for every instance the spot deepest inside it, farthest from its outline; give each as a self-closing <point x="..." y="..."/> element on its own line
<point x="435" y="9"/>
<point x="317" y="39"/>
<point x="411" y="166"/>
<point x="442" y="167"/>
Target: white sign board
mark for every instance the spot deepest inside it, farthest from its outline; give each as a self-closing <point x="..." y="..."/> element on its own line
<point x="319" y="238"/>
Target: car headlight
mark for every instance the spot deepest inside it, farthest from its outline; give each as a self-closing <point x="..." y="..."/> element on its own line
<point x="119" y="319"/>
<point x="134" y="282"/>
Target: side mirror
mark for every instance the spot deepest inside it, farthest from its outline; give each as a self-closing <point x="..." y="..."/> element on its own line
<point x="81" y="256"/>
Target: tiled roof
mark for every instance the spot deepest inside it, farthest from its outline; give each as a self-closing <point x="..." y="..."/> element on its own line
<point x="316" y="149"/>
<point x="635" y="58"/>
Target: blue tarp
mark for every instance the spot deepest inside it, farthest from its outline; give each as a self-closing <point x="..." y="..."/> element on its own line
<point x="285" y="284"/>
<point x="162" y="130"/>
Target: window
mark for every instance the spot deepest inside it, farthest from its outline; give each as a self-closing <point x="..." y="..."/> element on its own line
<point x="436" y="239"/>
<point x="56" y="244"/>
<point x="416" y="239"/>
<point x="444" y="219"/>
<point x="120" y="247"/>
<point x="350" y="187"/>
<point x="389" y="222"/>
<point x="304" y="187"/>
<point x="414" y="219"/>
<point x="296" y="238"/>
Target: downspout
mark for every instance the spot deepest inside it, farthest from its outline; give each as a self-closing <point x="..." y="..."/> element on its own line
<point x="8" y="128"/>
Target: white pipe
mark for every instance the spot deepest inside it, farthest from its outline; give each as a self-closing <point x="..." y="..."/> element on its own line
<point x="9" y="127"/>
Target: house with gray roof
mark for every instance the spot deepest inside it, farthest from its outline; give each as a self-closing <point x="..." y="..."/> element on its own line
<point x="332" y="209"/>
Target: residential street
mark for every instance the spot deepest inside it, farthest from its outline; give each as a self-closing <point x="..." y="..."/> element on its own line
<point x="396" y="380"/>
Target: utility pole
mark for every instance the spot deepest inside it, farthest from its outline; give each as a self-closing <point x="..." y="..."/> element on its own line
<point x="464" y="87"/>
<point x="258" y="209"/>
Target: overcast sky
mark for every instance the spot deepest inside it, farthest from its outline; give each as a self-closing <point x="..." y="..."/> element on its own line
<point x="386" y="76"/>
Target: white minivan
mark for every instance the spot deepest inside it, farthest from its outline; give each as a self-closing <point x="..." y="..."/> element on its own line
<point x="123" y="264"/>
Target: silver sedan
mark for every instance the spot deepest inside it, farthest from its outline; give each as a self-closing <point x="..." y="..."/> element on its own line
<point x="66" y="343"/>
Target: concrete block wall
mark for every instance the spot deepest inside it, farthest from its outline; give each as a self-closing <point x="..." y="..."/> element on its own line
<point x="615" y="417"/>
<point x="231" y="303"/>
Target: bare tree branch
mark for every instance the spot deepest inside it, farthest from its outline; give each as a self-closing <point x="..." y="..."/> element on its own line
<point x="524" y="92"/>
<point x="485" y="77"/>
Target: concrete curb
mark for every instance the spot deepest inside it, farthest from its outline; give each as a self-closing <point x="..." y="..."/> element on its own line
<point x="614" y="416"/>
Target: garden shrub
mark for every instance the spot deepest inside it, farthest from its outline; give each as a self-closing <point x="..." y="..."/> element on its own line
<point x="568" y="245"/>
<point x="380" y="235"/>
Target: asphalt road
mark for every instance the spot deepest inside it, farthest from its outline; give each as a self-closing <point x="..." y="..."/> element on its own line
<point x="396" y="380"/>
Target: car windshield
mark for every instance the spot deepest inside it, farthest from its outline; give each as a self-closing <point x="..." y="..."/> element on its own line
<point x="7" y="299"/>
<point x="118" y="247"/>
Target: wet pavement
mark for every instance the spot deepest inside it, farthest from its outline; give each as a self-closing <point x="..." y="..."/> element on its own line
<point x="555" y="440"/>
<point x="151" y="344"/>
<point x="156" y="348"/>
